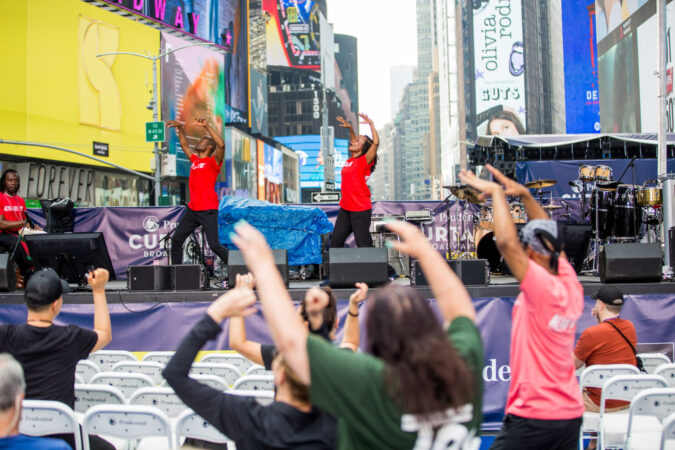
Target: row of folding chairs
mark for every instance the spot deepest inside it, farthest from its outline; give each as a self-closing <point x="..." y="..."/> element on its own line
<point x="106" y="359"/>
<point x="651" y="397"/>
<point x="127" y="422"/>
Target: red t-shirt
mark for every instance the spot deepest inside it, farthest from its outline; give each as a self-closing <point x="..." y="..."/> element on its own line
<point x="355" y="191"/>
<point x="203" y="175"/>
<point x="602" y="344"/>
<point x="12" y="208"/>
<point x="543" y="383"/>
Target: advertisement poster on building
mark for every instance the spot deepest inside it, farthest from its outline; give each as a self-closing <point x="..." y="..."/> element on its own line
<point x="259" y="121"/>
<point x="628" y="64"/>
<point x="308" y="149"/>
<point x="193" y="87"/>
<point x="293" y="33"/>
<point x="499" y="65"/>
<point x="274" y="174"/>
<point x="582" y="93"/>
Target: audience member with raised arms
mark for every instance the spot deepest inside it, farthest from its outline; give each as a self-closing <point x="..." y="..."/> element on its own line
<point x="372" y="395"/>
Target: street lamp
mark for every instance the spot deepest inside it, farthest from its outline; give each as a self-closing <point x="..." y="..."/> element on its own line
<point x="155" y="112"/>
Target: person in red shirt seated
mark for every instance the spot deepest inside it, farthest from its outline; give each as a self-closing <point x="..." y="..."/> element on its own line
<point x="355" y="207"/>
<point x="207" y="160"/>
<point x="12" y="219"/>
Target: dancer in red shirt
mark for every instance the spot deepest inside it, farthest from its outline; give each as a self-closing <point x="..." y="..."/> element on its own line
<point x="355" y="206"/>
<point x="12" y="219"/>
<point x="207" y="160"/>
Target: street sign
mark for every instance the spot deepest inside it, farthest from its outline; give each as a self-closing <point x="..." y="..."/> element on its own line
<point x="325" y="197"/>
<point x="154" y="131"/>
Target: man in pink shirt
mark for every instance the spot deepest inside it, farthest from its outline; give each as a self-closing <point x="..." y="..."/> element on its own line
<point x="544" y="405"/>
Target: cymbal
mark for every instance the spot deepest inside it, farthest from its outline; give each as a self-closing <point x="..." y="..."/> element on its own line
<point x="551" y="207"/>
<point x="466" y="192"/>
<point x="538" y="184"/>
<point x="607" y="186"/>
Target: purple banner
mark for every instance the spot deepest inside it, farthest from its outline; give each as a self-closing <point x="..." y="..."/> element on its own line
<point x="157" y="327"/>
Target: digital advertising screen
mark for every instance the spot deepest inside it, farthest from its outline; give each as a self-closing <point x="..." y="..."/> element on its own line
<point x="308" y="149"/>
<point x="193" y="84"/>
<point x="259" y="118"/>
<point x="274" y="174"/>
<point x="582" y="92"/>
<point x="293" y="29"/>
<point x="499" y="63"/>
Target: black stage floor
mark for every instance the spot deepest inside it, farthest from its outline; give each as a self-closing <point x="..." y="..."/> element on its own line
<point x="499" y="287"/>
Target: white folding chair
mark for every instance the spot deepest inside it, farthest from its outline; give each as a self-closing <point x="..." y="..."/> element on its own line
<point x="668" y="433"/>
<point x="90" y="395"/>
<point x="106" y="359"/>
<point x="667" y="371"/>
<point x="255" y="383"/>
<point x="86" y="369"/>
<point x="79" y="379"/>
<point x="595" y="377"/>
<point x="151" y="369"/>
<point x="240" y="362"/>
<point x="130" y="422"/>
<point x="262" y="397"/>
<point x="652" y="361"/>
<point x="612" y="428"/>
<point x="127" y="383"/>
<point x="658" y="403"/>
<point x="44" y="417"/>
<point x="213" y="381"/>
<point x="227" y="372"/>
<point x="158" y="357"/>
<point x="163" y="398"/>
<point x="191" y="425"/>
<point x="256" y="369"/>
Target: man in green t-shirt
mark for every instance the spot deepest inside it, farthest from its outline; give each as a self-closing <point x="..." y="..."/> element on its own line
<point x="418" y="386"/>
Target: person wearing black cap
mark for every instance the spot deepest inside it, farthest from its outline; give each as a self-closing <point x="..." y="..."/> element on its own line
<point x="611" y="341"/>
<point x="49" y="353"/>
<point x="544" y="407"/>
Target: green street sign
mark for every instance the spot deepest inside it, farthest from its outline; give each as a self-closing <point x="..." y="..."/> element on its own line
<point x="154" y="131"/>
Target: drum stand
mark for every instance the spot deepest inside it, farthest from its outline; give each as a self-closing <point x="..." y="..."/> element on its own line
<point x="594" y="250"/>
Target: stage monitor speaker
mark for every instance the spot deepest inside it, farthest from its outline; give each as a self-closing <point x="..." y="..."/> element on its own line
<point x="236" y="265"/>
<point x="624" y="263"/>
<point x="7" y="274"/>
<point x="148" y="278"/>
<point x="470" y="271"/>
<point x="188" y="277"/>
<point x="348" y="266"/>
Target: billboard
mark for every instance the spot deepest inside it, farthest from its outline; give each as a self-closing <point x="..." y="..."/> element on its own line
<point x="193" y="83"/>
<point x="308" y="149"/>
<point x="274" y="174"/>
<point x="241" y="165"/>
<point x="582" y="94"/>
<point x="499" y="64"/>
<point x="293" y="33"/>
<point x="627" y="60"/>
<point x="259" y="118"/>
<point x="59" y="92"/>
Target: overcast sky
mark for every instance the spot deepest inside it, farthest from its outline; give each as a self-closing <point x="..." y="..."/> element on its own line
<point x="387" y="36"/>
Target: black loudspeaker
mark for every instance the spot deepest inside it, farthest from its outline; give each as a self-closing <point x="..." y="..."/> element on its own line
<point x="236" y="265"/>
<point x="348" y="266"/>
<point x="470" y="271"/>
<point x="148" y="278"/>
<point x="7" y="274"/>
<point x="623" y="263"/>
<point x="577" y="238"/>
<point x="188" y="277"/>
<point x="59" y="215"/>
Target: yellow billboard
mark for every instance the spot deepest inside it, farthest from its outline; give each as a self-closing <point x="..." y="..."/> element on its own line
<point x="58" y="92"/>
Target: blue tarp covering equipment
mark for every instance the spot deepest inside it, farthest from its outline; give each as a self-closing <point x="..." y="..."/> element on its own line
<point x="297" y="229"/>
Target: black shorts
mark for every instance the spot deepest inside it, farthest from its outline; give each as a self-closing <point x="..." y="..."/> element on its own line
<point x="521" y="433"/>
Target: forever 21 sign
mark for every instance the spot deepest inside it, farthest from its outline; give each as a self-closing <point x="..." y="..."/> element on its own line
<point x="47" y="181"/>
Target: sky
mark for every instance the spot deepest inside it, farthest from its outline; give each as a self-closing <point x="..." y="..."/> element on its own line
<point x="387" y="36"/>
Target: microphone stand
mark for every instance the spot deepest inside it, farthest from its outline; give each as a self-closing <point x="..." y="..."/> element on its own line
<point x="19" y="237"/>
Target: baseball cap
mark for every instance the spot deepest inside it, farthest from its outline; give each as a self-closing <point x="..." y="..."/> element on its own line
<point x="610" y="295"/>
<point x="45" y="287"/>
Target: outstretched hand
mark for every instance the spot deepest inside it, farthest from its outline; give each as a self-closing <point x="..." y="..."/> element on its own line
<point x="511" y="187"/>
<point x="365" y="119"/>
<point x="239" y="302"/>
<point x="97" y="279"/>
<point x="343" y="122"/>
<point x="253" y="246"/>
<point x="245" y="281"/>
<point x="360" y="294"/>
<point x="179" y="126"/>
<point x="200" y="122"/>
<point x="412" y="240"/>
<point x="487" y="187"/>
<point x="316" y="300"/>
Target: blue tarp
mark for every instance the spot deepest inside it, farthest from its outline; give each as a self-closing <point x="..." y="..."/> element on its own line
<point x="297" y="229"/>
